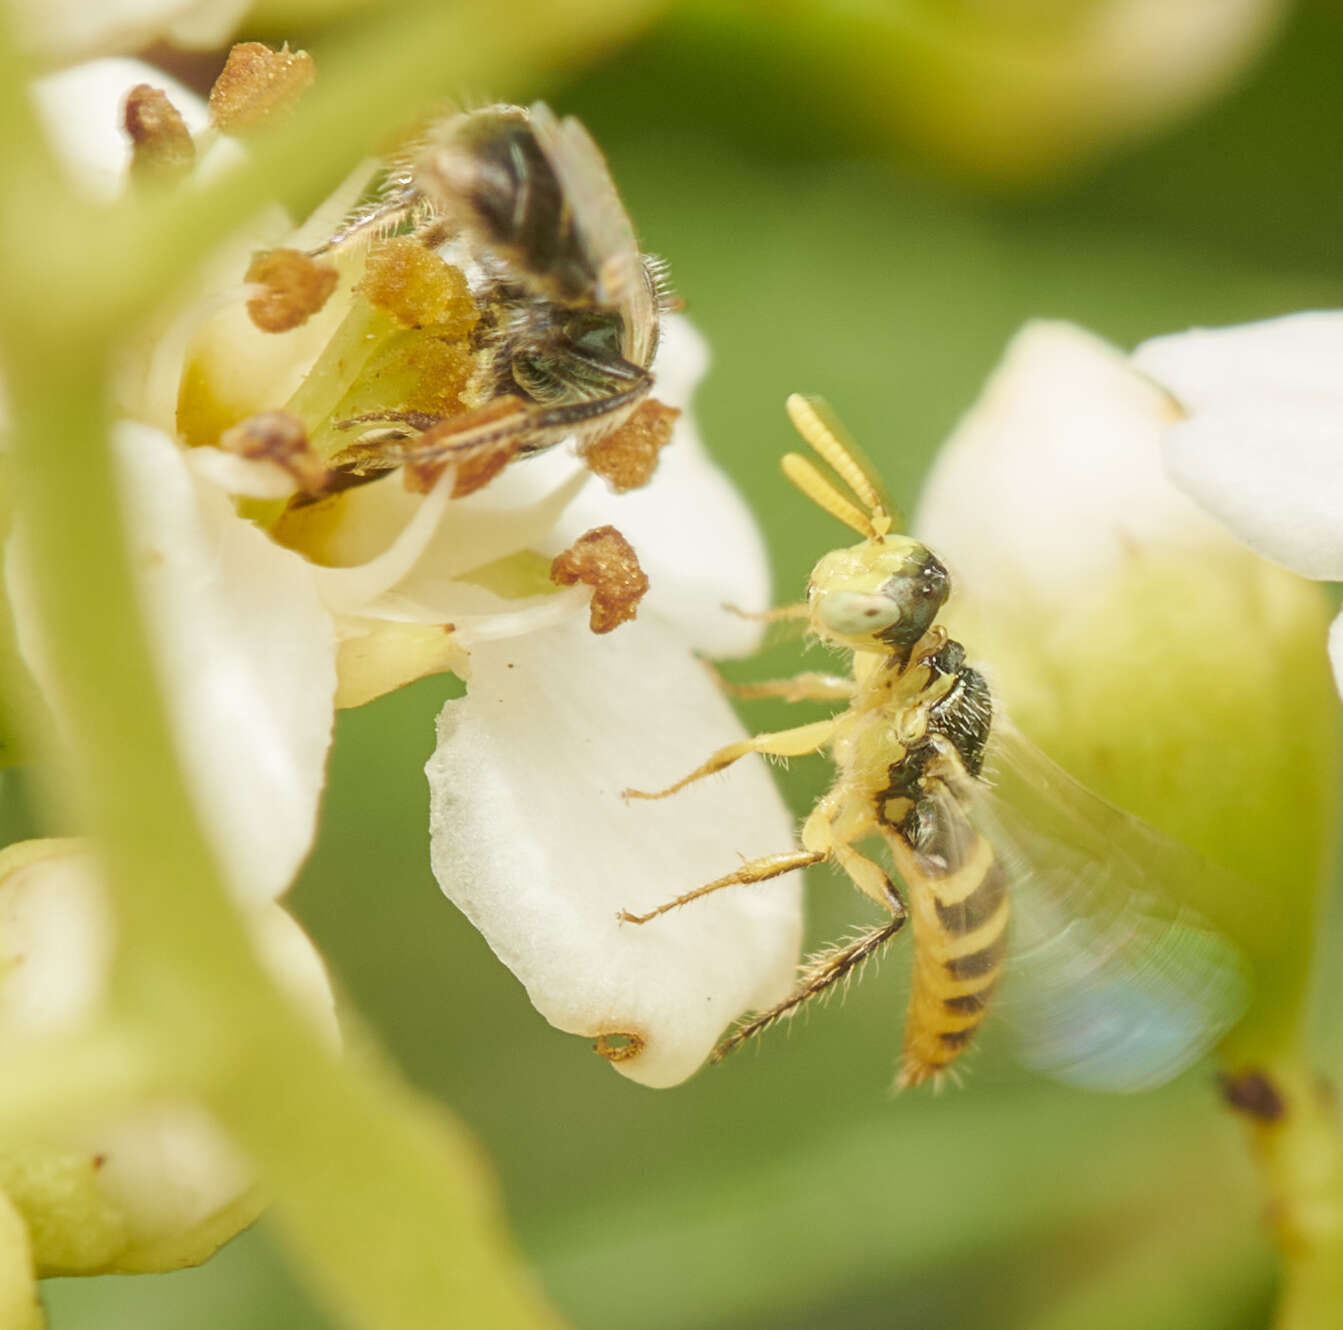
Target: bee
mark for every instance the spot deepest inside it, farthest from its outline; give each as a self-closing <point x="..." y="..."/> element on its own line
<point x="1009" y="867"/>
<point x="523" y="205"/>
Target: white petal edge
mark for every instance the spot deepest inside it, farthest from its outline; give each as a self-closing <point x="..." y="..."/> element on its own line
<point x="531" y="838"/>
<point x="1336" y="651"/>
<point x="1293" y="358"/>
<point x="1056" y="475"/>
<point x="1262" y="447"/>
<point x="246" y="655"/>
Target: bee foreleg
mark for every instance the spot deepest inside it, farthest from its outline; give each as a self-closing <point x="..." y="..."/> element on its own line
<point x="820" y="974"/>
<point x="780" y="743"/>
<point x="754" y="870"/>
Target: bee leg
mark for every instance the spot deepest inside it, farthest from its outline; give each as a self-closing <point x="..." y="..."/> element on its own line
<point x="821" y="973"/>
<point x="798" y="611"/>
<point x="820" y="832"/>
<point x="781" y="743"/>
<point x="381" y="217"/>
<point x="754" y="870"/>
<point x="800" y="688"/>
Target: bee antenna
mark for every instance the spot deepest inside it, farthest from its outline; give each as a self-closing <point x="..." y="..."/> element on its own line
<point x="814" y="421"/>
<point x="807" y="477"/>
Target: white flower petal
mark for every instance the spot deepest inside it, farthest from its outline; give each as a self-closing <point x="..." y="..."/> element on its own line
<point x="692" y="530"/>
<point x="1055" y="474"/>
<point x="56" y="938"/>
<point x="165" y="1169"/>
<point x="1262" y="448"/>
<point x="83" y="109"/>
<point x="1336" y="650"/>
<point x="75" y="29"/>
<point x="1273" y="476"/>
<point x="400" y="554"/>
<point x="1291" y="358"/>
<point x="254" y="478"/>
<point x="246" y="654"/>
<point x="531" y="838"/>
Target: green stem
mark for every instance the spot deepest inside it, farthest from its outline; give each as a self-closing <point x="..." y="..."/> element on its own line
<point x="19" y="1309"/>
<point x="1297" y="1147"/>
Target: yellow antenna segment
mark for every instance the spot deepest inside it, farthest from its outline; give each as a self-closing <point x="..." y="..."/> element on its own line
<point x="823" y="494"/>
<point x="809" y="417"/>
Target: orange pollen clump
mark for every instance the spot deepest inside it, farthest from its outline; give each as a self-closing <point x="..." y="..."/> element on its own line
<point x="605" y="561"/>
<point x="161" y="143"/>
<point x="278" y="437"/>
<point x="627" y="457"/>
<point x="296" y="286"/>
<point x="257" y="85"/>
<point x="414" y="286"/>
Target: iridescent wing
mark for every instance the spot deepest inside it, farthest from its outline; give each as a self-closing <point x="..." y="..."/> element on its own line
<point x="1112" y="981"/>
<point x="623" y="281"/>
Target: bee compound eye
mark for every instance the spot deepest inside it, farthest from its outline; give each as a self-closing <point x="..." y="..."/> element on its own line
<point x="597" y="333"/>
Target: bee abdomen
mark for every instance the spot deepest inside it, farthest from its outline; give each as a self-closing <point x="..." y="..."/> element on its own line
<point x="959" y="904"/>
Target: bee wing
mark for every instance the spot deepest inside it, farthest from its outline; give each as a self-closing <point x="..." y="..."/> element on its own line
<point x="1111" y="982"/>
<point x="623" y="280"/>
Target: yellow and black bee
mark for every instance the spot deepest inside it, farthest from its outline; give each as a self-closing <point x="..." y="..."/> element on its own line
<point x="1009" y="867"/>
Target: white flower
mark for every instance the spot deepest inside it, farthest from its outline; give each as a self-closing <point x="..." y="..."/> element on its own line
<point x="532" y="839"/>
<point x="1055" y="476"/>
<point x="154" y="1186"/>
<point x="258" y="635"/>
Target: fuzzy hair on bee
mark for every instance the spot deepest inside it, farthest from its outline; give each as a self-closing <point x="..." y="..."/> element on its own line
<point x="522" y="203"/>
<point x="1122" y="986"/>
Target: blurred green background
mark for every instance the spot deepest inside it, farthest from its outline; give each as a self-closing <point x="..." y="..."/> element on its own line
<point x="786" y="1190"/>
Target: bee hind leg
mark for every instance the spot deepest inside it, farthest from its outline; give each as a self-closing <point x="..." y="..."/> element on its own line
<point x="820" y="974"/>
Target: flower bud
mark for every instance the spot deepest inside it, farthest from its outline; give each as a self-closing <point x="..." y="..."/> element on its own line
<point x="153" y="1187"/>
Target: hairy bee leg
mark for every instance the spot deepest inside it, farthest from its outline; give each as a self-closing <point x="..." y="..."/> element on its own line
<point x="382" y="215"/>
<point x="780" y="743"/>
<point x="821" y="831"/>
<point x="754" y="870"/>
<point x="800" y="688"/>
<point x="820" y="974"/>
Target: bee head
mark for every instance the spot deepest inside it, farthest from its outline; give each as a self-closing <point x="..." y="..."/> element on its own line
<point x="882" y="594"/>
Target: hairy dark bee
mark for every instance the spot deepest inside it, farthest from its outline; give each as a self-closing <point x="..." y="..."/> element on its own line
<point x="523" y="204"/>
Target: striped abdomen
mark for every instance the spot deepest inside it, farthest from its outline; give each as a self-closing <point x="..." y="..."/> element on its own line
<point x="959" y="902"/>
